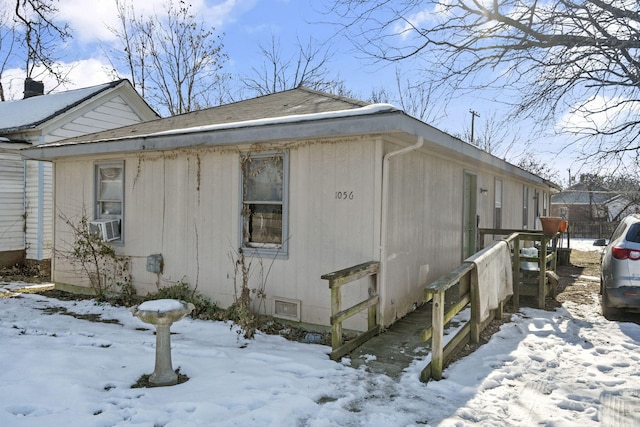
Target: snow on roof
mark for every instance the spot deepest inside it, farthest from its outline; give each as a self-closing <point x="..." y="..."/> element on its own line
<point x="361" y="111"/>
<point x="293" y="118"/>
<point x="30" y="112"/>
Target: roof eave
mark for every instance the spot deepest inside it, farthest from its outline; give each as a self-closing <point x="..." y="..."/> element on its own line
<point x="379" y="122"/>
<point x="222" y="137"/>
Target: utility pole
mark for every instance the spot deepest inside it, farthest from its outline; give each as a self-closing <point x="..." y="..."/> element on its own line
<point x="474" y="114"/>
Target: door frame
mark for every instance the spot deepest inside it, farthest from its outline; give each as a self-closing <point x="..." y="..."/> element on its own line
<point x="469" y="214"/>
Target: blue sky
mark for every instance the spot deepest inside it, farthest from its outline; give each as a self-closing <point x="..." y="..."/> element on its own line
<point x="246" y="24"/>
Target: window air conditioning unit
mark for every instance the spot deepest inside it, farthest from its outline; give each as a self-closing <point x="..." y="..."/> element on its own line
<point x="108" y="229"/>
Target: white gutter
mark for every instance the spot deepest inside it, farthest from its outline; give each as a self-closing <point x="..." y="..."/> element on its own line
<point x="382" y="283"/>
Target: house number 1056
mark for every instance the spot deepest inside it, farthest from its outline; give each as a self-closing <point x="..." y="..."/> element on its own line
<point x="344" y="195"/>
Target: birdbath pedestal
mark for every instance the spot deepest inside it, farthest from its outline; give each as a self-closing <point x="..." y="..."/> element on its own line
<point x="162" y="313"/>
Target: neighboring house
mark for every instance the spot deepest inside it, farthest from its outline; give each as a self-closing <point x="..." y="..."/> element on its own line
<point x="26" y="213"/>
<point x="584" y="203"/>
<point x="306" y="183"/>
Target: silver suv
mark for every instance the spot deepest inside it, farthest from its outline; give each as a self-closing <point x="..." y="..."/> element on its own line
<point x="620" y="276"/>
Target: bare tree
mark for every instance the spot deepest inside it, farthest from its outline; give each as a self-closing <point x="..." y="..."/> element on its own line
<point x="8" y="41"/>
<point x="551" y="58"/>
<point x="491" y="135"/>
<point x="624" y="183"/>
<point x="530" y="163"/>
<point x="308" y="66"/>
<point x="31" y="35"/>
<point x="418" y="98"/>
<point x="174" y="59"/>
<point x="42" y="35"/>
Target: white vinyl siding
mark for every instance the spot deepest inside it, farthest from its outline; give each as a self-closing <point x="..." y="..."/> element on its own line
<point x="111" y="114"/>
<point x="39" y="210"/>
<point x="11" y="196"/>
<point x="186" y="205"/>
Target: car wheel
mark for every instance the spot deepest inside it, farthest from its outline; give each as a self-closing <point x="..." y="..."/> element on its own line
<point x="608" y="312"/>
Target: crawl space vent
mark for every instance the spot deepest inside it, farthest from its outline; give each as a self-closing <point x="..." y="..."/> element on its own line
<point x="285" y="308"/>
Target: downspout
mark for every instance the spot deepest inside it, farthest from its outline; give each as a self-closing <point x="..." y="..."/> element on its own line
<point x="382" y="291"/>
<point x="25" y="206"/>
<point x="40" y="237"/>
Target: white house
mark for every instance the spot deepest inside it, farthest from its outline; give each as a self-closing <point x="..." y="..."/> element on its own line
<point x="26" y="213"/>
<point x="306" y="183"/>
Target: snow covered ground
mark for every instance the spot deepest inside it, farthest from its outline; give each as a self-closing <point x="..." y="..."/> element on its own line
<point x="582" y="245"/>
<point x="563" y="368"/>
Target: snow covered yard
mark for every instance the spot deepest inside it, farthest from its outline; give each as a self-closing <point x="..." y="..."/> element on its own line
<point x="557" y="368"/>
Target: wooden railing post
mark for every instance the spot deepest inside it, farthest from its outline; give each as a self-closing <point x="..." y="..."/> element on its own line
<point x="373" y="309"/>
<point x="474" y="291"/>
<point x="337" y="279"/>
<point x="437" y="340"/>
<point x="542" y="269"/>
<point x="336" y="327"/>
<point x="516" y="273"/>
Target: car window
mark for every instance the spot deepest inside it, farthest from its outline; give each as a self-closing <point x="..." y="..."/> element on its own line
<point x="633" y="235"/>
<point x="618" y="231"/>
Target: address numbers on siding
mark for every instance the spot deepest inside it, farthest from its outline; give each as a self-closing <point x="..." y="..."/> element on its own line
<point x="345" y="195"/>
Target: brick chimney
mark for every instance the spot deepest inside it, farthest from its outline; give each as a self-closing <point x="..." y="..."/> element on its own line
<point x="32" y="88"/>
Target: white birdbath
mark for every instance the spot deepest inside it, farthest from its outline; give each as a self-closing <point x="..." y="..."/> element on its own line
<point x="162" y="313"/>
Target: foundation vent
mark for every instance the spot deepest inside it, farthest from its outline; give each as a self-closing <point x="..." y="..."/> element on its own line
<point x="286" y="308"/>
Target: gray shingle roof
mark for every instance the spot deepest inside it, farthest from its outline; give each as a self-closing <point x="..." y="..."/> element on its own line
<point x="291" y="102"/>
<point x="581" y="194"/>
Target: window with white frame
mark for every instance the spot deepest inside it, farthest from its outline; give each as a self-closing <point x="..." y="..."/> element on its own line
<point x="109" y="193"/>
<point x="264" y="202"/>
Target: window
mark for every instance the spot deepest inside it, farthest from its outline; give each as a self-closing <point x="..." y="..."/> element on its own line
<point x="109" y="181"/>
<point x="497" y="211"/>
<point x="264" y="203"/>
<point x="633" y="235"/>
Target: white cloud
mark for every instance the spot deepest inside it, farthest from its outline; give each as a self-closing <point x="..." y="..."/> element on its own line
<point x="598" y="114"/>
<point x="417" y="20"/>
<point x="89" y="19"/>
<point x="83" y="73"/>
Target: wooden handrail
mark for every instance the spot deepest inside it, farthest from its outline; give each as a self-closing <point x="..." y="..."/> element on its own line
<point x="441" y="352"/>
<point x="339" y="278"/>
<point x="435" y="291"/>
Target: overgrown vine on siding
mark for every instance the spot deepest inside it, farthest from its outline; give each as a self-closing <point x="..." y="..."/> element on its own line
<point x="107" y="271"/>
<point x="138" y="171"/>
